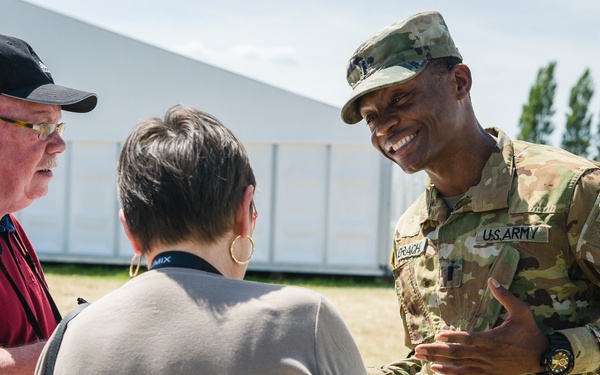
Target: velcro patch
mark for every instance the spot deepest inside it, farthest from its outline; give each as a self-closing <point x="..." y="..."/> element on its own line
<point x="523" y="233"/>
<point x="451" y="273"/>
<point x="411" y="250"/>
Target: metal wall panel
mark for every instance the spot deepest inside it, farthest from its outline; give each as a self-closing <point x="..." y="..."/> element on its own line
<point x="353" y="214"/>
<point x="261" y="157"/>
<point x="92" y="211"/>
<point x="45" y="219"/>
<point x="300" y="204"/>
<point x="322" y="208"/>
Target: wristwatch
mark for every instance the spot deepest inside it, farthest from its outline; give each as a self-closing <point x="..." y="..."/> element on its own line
<point x="558" y="359"/>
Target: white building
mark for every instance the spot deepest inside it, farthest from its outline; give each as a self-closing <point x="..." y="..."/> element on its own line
<point x="327" y="199"/>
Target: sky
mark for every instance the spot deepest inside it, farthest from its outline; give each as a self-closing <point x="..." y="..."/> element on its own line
<point x="303" y="46"/>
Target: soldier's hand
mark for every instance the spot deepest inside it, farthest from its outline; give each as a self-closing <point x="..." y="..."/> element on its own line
<point x="514" y="347"/>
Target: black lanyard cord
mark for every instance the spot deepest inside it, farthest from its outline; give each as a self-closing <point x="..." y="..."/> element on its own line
<point x="53" y="306"/>
<point x="182" y="259"/>
<point x="30" y="316"/>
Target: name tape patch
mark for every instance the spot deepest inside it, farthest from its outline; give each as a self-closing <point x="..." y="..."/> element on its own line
<point x="523" y="233"/>
<point x="411" y="250"/>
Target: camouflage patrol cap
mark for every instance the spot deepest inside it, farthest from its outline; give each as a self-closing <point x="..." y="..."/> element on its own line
<point x="396" y="54"/>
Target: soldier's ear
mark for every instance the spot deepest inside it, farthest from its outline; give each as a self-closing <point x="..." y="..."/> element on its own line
<point x="461" y="76"/>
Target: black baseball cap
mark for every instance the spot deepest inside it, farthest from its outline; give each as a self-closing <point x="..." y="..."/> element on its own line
<point x="24" y="76"/>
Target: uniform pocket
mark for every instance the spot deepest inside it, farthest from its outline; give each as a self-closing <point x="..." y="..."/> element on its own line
<point x="588" y="247"/>
<point x="468" y="304"/>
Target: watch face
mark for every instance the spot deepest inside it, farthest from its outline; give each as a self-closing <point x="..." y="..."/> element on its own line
<point x="560" y="362"/>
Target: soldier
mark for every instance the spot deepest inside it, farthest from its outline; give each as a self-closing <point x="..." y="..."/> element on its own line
<point x="497" y="263"/>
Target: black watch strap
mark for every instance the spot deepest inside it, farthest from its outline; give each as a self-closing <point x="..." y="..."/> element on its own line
<point x="558" y="359"/>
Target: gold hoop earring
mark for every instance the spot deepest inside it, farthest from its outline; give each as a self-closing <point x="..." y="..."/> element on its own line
<point x="137" y="269"/>
<point x="233" y="256"/>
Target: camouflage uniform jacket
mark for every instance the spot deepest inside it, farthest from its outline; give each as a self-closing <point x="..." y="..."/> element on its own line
<point x="528" y="224"/>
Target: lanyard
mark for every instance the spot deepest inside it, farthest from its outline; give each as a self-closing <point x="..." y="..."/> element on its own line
<point x="5" y="228"/>
<point x="182" y="259"/>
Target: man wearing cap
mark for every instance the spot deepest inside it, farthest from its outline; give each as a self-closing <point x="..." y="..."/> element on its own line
<point x="30" y="142"/>
<point x="497" y="264"/>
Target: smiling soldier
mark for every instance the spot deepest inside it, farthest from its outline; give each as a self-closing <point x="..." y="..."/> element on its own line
<point x="497" y="263"/>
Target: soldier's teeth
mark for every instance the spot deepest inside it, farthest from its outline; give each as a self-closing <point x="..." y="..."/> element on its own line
<point x="403" y="141"/>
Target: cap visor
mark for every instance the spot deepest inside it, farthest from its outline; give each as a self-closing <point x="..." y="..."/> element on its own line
<point x="69" y="99"/>
<point x="391" y="76"/>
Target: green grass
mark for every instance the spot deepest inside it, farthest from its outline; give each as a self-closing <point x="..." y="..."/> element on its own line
<point x="306" y="280"/>
<point x="314" y="280"/>
<point x="94" y="271"/>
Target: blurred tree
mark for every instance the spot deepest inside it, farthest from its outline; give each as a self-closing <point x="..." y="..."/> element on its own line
<point x="597" y="138"/>
<point x="536" y="120"/>
<point x="578" y="129"/>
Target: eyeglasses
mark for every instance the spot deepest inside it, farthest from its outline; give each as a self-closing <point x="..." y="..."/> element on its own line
<point x="44" y="130"/>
